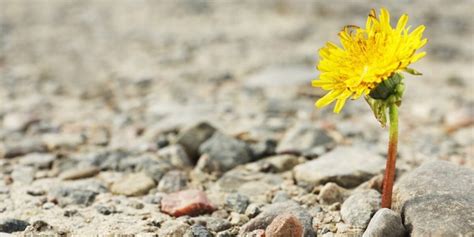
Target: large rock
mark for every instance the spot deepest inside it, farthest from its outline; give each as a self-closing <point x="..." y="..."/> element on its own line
<point x="192" y="137"/>
<point x="270" y="212"/>
<point x="346" y="166"/>
<point x="302" y="139"/>
<point x="224" y="152"/>
<point x="437" y="199"/>
<point x="360" y="207"/>
<point x="385" y="223"/>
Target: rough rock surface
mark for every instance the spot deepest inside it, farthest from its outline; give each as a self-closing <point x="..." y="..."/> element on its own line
<point x="436" y="199"/>
<point x="359" y="208"/>
<point x="385" y="223"/>
<point x="270" y="212"/>
<point x="346" y="166"/>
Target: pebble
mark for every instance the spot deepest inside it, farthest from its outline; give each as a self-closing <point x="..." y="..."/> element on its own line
<point x="302" y="138"/>
<point x="253" y="210"/>
<point x="214" y="224"/>
<point x="79" y="173"/>
<point x="284" y="225"/>
<point x="187" y="202"/>
<point x="105" y="209"/>
<point x="9" y="225"/>
<point x="173" y="181"/>
<point x="133" y="185"/>
<point x="78" y="196"/>
<point x="192" y="137"/>
<point x="23" y="147"/>
<point x="346" y="166"/>
<point x="62" y="140"/>
<point x="23" y="174"/>
<point x="17" y="121"/>
<point x="270" y="212"/>
<point x="173" y="228"/>
<point x="385" y="223"/>
<point x="238" y="219"/>
<point x="436" y="199"/>
<point x="332" y="193"/>
<point x="279" y="163"/>
<point x="198" y="231"/>
<point x="176" y="156"/>
<point x="224" y="153"/>
<point x="360" y="207"/>
<point x="237" y="202"/>
<point x="38" y="160"/>
<point x="280" y="196"/>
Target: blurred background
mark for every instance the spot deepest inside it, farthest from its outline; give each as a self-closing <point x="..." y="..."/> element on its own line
<point x="131" y="71"/>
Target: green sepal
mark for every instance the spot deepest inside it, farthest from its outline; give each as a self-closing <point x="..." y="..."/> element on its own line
<point x="413" y="71"/>
<point x="389" y="91"/>
<point x="379" y="108"/>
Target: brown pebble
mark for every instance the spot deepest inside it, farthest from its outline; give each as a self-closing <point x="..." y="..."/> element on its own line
<point x="285" y="225"/>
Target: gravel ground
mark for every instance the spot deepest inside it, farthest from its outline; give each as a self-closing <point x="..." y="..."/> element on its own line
<point x="197" y="118"/>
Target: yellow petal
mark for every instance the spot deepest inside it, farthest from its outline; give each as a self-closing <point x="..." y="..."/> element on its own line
<point x="417" y="56"/>
<point x="328" y="98"/>
<point x="402" y="22"/>
<point x="341" y="100"/>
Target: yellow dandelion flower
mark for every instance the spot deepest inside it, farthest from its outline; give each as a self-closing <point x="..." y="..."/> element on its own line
<point x="367" y="57"/>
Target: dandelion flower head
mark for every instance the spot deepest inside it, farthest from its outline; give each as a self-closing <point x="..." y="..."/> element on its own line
<point x="367" y="57"/>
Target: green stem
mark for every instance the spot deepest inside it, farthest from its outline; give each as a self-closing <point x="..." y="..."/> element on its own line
<point x="389" y="176"/>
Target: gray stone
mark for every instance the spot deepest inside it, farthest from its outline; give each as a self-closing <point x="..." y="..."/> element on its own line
<point x="62" y="140"/>
<point x="253" y="210"/>
<point x="280" y="196"/>
<point x="270" y="212"/>
<point x="176" y="156"/>
<point x="133" y="185"/>
<point x="224" y="152"/>
<point x="198" y="231"/>
<point x="276" y="164"/>
<point x="9" y="225"/>
<point x="191" y="138"/>
<point x="436" y="199"/>
<point x="173" y="228"/>
<point x="18" y="121"/>
<point x="263" y="148"/>
<point x="302" y="138"/>
<point x="66" y="196"/>
<point x="385" y="223"/>
<point x="23" y="147"/>
<point x="215" y="224"/>
<point x="37" y="160"/>
<point x="173" y="181"/>
<point x="79" y="173"/>
<point x="23" y="174"/>
<point x="254" y="185"/>
<point x="346" y="166"/>
<point x="332" y="193"/>
<point x="359" y="208"/>
<point x="81" y="192"/>
<point x="105" y="209"/>
<point x="237" y="202"/>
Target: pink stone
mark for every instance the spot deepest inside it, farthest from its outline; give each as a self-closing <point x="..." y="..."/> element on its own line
<point x="187" y="202"/>
<point x="284" y="225"/>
